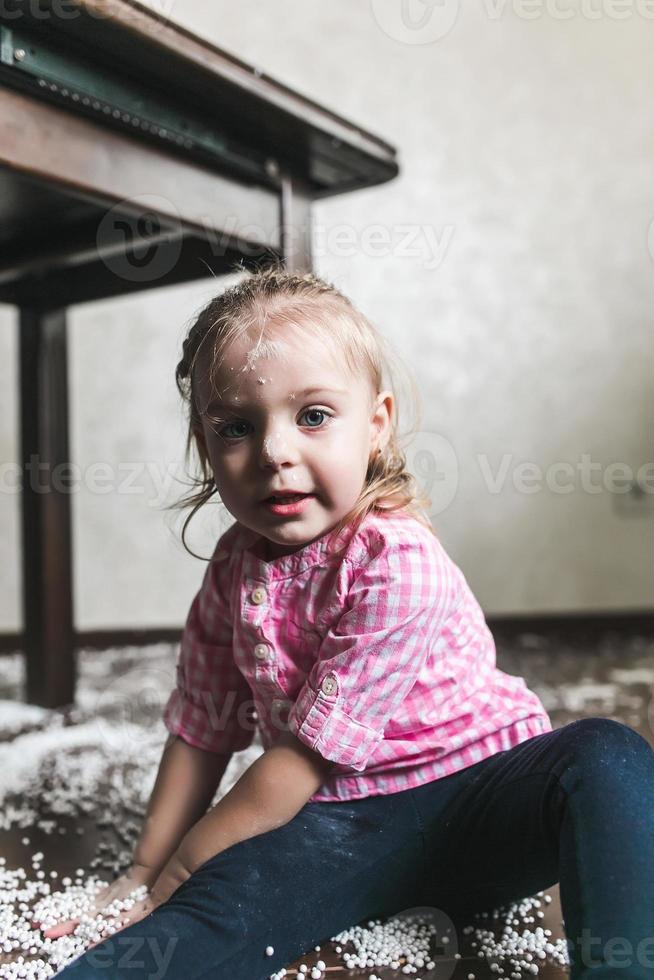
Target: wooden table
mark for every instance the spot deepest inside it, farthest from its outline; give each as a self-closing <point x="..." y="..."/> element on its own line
<point x="133" y="155"/>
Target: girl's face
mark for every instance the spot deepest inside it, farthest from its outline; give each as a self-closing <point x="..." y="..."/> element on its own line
<point x="293" y="419"/>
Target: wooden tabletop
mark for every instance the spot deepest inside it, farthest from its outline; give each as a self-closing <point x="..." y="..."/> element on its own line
<point x="219" y="109"/>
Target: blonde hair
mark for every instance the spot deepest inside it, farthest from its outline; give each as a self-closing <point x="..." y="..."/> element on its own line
<point x="271" y="296"/>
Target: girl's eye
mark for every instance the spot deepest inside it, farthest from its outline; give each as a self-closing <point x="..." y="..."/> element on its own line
<point x="316" y="411"/>
<point x="309" y="412"/>
<point x="223" y="432"/>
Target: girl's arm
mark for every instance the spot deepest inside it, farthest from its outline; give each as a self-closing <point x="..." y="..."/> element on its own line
<point x="186" y="784"/>
<point x="269" y="794"/>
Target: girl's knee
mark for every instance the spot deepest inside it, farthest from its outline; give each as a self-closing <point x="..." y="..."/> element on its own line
<point x="605" y="740"/>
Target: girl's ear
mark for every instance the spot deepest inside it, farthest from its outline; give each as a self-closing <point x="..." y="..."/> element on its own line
<point x="382" y="418"/>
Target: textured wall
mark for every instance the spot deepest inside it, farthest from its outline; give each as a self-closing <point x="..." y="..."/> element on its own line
<point x="522" y="304"/>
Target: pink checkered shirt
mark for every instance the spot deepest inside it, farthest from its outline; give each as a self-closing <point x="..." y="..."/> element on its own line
<point x="381" y="661"/>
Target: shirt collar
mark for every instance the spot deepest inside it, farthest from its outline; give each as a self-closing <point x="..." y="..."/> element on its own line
<point x="285" y="566"/>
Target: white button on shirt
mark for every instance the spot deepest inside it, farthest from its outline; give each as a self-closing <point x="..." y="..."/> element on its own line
<point x="258" y="595"/>
<point x="261" y="651"/>
<point x="329" y="685"/>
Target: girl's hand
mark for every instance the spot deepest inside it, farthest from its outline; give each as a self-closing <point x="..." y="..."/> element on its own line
<point x="173" y="875"/>
<point x="136" y="876"/>
<point x="127" y="918"/>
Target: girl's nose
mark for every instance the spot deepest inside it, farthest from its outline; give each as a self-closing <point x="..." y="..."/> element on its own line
<point x="277" y="448"/>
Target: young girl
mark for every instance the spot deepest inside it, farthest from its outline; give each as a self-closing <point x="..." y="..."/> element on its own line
<point x="400" y="767"/>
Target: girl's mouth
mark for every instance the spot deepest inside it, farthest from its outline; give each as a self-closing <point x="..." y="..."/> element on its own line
<point x="288" y="503"/>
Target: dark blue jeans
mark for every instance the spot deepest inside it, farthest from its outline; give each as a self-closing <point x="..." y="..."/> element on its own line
<point x="574" y="806"/>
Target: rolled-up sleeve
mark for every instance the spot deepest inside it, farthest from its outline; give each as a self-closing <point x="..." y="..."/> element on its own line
<point x="371" y="658"/>
<point x="211" y="706"/>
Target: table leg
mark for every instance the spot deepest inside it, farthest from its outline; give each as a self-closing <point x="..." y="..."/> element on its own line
<point x="46" y="509"/>
<point x="295" y="206"/>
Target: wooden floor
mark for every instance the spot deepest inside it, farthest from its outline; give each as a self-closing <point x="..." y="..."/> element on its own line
<point x="447" y="968"/>
<point x="610" y="676"/>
